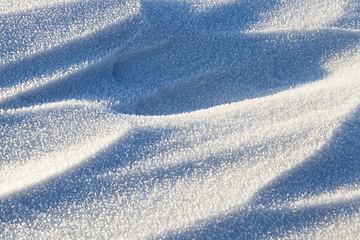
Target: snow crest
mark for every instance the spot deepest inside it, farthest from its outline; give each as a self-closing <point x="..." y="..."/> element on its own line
<point x="180" y="119"/>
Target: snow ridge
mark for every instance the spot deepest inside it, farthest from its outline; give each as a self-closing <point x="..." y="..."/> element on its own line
<point x="179" y="119"/>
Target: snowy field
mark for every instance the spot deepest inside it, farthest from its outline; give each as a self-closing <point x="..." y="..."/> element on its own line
<point x="180" y="119"/>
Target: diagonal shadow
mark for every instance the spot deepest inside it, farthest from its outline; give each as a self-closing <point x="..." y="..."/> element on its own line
<point x="325" y="171"/>
<point x="224" y="68"/>
<point x="337" y="165"/>
<point x="206" y="61"/>
<point x="161" y="73"/>
<point x="236" y="16"/>
<point x="198" y="67"/>
<point x="350" y="19"/>
<point x="267" y="223"/>
<point x="82" y="183"/>
<point x="85" y="49"/>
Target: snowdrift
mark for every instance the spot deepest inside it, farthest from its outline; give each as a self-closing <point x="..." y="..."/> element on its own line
<point x="179" y="119"/>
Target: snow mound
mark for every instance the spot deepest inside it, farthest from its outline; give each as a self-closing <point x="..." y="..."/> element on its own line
<point x="179" y="119"/>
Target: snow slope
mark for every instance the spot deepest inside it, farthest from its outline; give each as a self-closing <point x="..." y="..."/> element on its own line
<point x="179" y="119"/>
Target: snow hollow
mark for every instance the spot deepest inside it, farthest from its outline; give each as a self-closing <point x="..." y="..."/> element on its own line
<point x="179" y="119"/>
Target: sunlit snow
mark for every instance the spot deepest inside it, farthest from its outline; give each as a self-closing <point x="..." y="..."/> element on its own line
<point x="179" y="119"/>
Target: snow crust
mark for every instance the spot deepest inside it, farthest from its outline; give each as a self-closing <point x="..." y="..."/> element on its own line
<point x="179" y="119"/>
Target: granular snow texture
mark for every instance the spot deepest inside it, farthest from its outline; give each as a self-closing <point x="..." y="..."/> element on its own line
<point x="180" y="119"/>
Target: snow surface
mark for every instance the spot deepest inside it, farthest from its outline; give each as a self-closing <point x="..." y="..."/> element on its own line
<point x="180" y="119"/>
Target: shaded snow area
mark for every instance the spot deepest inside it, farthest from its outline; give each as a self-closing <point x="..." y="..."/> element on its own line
<point x="180" y="119"/>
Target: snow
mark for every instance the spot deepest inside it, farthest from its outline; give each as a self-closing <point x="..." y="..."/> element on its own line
<point x="179" y="119"/>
